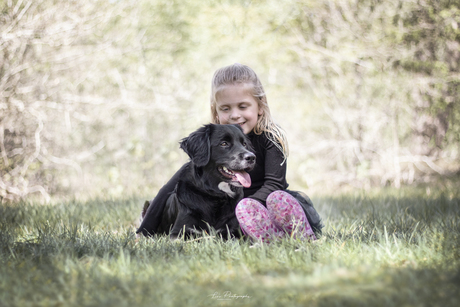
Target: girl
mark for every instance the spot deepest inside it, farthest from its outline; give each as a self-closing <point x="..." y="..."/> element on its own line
<point x="269" y="210"/>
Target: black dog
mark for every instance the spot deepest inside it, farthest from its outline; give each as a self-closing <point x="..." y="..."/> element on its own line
<point x="210" y="185"/>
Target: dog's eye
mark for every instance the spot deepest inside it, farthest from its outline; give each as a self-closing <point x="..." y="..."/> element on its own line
<point x="224" y="144"/>
<point x="244" y="144"/>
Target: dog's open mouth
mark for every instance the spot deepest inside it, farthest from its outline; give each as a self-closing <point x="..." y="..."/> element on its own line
<point x="240" y="176"/>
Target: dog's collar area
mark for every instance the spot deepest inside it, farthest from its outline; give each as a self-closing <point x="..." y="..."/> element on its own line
<point x="225" y="187"/>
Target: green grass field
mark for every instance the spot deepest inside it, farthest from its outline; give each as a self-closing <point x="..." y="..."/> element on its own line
<point x="378" y="249"/>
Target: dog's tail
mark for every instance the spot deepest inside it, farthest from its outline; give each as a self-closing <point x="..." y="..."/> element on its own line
<point x="141" y="218"/>
<point x="144" y="209"/>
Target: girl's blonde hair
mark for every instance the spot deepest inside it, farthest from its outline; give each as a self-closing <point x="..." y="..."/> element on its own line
<point x="242" y="74"/>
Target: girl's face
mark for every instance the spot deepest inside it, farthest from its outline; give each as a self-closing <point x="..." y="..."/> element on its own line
<point x="235" y="104"/>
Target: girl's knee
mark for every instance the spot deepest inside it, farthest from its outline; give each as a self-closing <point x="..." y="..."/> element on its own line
<point x="249" y="204"/>
<point x="279" y="195"/>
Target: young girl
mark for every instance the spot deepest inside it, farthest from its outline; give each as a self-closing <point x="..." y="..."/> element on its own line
<point x="268" y="210"/>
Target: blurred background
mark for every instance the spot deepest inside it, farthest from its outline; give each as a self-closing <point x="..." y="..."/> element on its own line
<point x="96" y="95"/>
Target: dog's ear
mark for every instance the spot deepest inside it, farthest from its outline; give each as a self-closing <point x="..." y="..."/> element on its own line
<point x="198" y="146"/>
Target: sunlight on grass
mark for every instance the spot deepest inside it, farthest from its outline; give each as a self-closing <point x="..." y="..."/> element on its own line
<point x="380" y="250"/>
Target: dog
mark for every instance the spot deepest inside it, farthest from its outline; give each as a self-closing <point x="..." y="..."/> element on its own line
<point x="210" y="185"/>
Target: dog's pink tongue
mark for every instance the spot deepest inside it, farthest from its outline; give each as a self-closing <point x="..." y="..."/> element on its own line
<point x="244" y="178"/>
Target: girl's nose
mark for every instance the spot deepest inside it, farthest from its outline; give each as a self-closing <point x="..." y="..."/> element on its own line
<point x="235" y="115"/>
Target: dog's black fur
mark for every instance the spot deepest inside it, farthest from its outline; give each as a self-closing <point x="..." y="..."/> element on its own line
<point x="207" y="193"/>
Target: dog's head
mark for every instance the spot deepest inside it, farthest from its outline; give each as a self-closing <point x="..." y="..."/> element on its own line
<point x="223" y="150"/>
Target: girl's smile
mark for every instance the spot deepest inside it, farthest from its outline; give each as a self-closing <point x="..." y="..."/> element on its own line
<point x="235" y="104"/>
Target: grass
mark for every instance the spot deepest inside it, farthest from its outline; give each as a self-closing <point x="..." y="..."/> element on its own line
<point x="378" y="249"/>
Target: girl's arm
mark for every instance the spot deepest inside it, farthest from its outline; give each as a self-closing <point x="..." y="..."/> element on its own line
<point x="275" y="172"/>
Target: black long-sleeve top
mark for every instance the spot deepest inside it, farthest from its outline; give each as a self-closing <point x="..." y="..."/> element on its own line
<point x="269" y="173"/>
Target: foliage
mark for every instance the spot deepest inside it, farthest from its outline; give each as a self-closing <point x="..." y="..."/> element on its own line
<point x="65" y="101"/>
<point x="388" y="248"/>
<point x="95" y="95"/>
<point x="378" y="71"/>
<point x="433" y="34"/>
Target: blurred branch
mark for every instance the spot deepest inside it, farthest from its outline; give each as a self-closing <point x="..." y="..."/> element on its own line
<point x="34" y="156"/>
<point x="2" y="146"/>
<point x="425" y="159"/>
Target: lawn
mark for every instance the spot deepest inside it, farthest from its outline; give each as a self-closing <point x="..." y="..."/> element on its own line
<point x="386" y="248"/>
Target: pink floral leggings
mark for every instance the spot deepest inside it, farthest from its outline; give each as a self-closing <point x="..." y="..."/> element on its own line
<point x="282" y="216"/>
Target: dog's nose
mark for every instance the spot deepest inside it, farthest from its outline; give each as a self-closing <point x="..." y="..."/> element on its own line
<point x="249" y="156"/>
